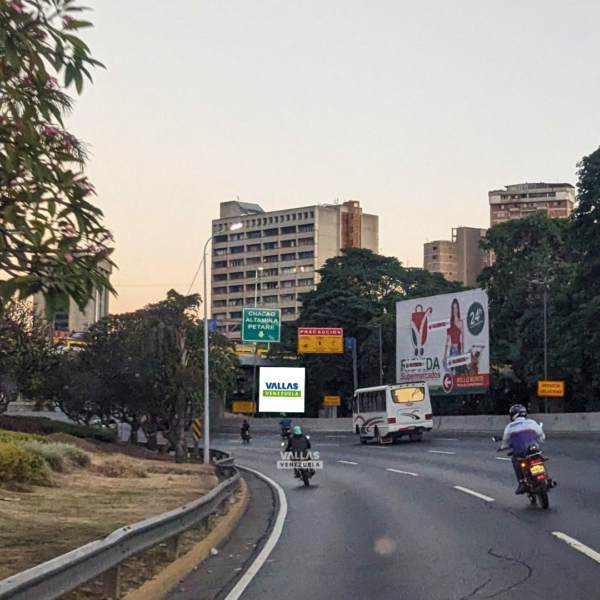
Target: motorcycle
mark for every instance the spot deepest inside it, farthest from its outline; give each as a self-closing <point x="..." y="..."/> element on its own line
<point x="246" y="436"/>
<point x="286" y="433"/>
<point x="303" y="472"/>
<point x="536" y="480"/>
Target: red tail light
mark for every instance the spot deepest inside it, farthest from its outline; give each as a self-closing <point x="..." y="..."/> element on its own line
<point x="535" y="461"/>
<point x="391" y="419"/>
<point x="428" y="417"/>
<point x="541" y="476"/>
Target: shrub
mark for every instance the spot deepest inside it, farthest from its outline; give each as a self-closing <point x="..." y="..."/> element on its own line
<point x="46" y="426"/>
<point x="9" y="437"/>
<point x="18" y="463"/>
<point x="122" y="468"/>
<point x="58" y="456"/>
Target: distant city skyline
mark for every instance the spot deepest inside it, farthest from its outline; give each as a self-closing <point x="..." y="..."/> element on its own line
<point x="416" y="110"/>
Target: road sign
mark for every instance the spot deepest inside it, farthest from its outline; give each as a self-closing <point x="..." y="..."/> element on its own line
<point x="261" y="325"/>
<point x="320" y="340"/>
<point x="212" y="325"/>
<point x="350" y="343"/>
<point x="196" y="429"/>
<point x="243" y="407"/>
<point x="551" y="388"/>
<point x="331" y="401"/>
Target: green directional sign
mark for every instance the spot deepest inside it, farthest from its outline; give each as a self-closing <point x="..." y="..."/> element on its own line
<point x="261" y="325"/>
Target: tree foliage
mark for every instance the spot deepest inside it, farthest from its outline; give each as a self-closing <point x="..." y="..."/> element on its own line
<point x="51" y="234"/>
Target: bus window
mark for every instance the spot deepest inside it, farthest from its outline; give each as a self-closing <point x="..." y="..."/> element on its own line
<point x="413" y="394"/>
<point x="380" y="395"/>
<point x="356" y="407"/>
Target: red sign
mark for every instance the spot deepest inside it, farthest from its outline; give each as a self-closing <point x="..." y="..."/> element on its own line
<point x="337" y="331"/>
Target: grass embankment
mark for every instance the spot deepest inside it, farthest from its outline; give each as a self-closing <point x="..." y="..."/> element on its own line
<point x="59" y="492"/>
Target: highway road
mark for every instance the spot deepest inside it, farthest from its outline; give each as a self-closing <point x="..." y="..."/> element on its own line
<point x="435" y="520"/>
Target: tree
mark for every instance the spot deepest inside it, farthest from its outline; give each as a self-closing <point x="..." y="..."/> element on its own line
<point x="358" y="291"/>
<point x="27" y="354"/>
<point x="51" y="235"/>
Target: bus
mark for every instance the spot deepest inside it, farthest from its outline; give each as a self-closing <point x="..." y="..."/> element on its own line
<point x="389" y="412"/>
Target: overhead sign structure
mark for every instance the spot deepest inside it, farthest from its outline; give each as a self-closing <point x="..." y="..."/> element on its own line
<point x="320" y="340"/>
<point x="556" y="389"/>
<point x="261" y="325"/>
<point x="444" y="340"/>
<point x="281" y="390"/>
<point x="332" y="401"/>
<point x="243" y="407"/>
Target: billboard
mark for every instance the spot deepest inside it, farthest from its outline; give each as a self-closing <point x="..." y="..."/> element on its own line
<point x="281" y="390"/>
<point x="444" y="340"/>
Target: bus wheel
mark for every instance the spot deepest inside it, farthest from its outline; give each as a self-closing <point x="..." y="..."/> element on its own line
<point x="363" y="440"/>
<point x="378" y="436"/>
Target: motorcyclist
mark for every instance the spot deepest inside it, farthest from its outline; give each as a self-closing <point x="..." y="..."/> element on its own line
<point x="285" y="423"/>
<point x="519" y="433"/>
<point x="298" y="445"/>
<point x="245" y="429"/>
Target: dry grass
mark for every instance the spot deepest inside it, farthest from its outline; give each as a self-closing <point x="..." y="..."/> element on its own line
<point x="40" y="523"/>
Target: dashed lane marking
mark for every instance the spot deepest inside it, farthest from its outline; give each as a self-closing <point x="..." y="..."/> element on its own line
<point x="404" y="472"/>
<point x="476" y="494"/>
<point x="578" y="545"/>
<point x="347" y="462"/>
<point x="441" y="452"/>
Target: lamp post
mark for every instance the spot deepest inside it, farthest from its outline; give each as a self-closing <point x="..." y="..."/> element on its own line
<point x="256" y="275"/>
<point x="545" y="284"/>
<point x="233" y="227"/>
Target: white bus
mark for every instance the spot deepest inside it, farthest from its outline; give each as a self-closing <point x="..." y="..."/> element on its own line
<point x="387" y="413"/>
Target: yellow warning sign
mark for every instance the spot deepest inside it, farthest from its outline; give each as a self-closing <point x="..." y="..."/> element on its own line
<point x="331" y="401"/>
<point x="551" y="388"/>
<point x="243" y="407"/>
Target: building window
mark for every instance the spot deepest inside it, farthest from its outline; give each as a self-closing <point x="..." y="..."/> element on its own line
<point x="307" y="268"/>
<point x="219" y="290"/>
<point x="234" y="237"/>
<point x="306" y="228"/>
<point x="219" y="315"/>
<point x="255" y="260"/>
<point x="312" y="214"/>
<point x="287" y="217"/>
<point x="305" y="282"/>
<point x="220" y="251"/>
<point x="236" y="302"/>
<point x="253" y="234"/>
<point x="287" y="230"/>
<point x="270" y="245"/>
<point x="219" y="303"/>
<point x="294" y="217"/>
<point x="220" y="277"/>
<point x="237" y="275"/>
<point x="271" y="259"/>
<point x="250" y="287"/>
<point x="288" y="270"/>
<point x="250" y="274"/>
<point x="270" y="220"/>
<point x="270" y="285"/>
<point x="250" y="300"/>
<point x="235" y="289"/>
<point x="270" y="272"/>
<point x="288" y="244"/>
<point x="253" y="247"/>
<point x="219" y="239"/>
<point x="303" y="255"/>
<point x="289" y="310"/>
<point x="288" y="283"/>
<point x="253" y="222"/>
<point x="434" y="257"/>
<point x="235" y="315"/>
<point x="306" y="215"/>
<point x="288" y="297"/>
<point x="288" y="256"/>
<point x="238" y="262"/>
<point x="276" y="219"/>
<point x="270" y="299"/>
<point x="220" y="264"/>
<point x="236" y="249"/>
<point x="271" y="232"/>
<point x="306" y="241"/>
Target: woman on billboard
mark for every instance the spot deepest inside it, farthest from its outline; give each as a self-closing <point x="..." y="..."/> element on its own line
<point x="455" y="336"/>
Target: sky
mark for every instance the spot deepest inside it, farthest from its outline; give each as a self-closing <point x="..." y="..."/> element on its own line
<point x="416" y="108"/>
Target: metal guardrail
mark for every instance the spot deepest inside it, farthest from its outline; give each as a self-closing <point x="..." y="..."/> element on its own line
<point x="65" y="573"/>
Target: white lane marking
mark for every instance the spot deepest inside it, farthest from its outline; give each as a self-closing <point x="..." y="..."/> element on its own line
<point x="448" y="439"/>
<point x="249" y="575"/>
<point x="441" y="452"/>
<point x="337" y="437"/>
<point x="476" y="494"/>
<point x="347" y="462"/>
<point x="578" y="546"/>
<point x="404" y="472"/>
<point x="502" y="458"/>
<point x="327" y="444"/>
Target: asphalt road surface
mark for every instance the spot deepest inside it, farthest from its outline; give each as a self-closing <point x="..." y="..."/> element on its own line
<point x="431" y="520"/>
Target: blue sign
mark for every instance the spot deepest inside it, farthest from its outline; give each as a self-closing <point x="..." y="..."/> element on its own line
<point x="212" y="325"/>
<point x="349" y="343"/>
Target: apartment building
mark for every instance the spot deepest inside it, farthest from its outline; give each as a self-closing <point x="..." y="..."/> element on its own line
<point x="273" y="258"/>
<point x="67" y="317"/>
<point x="525" y="199"/>
<point x="459" y="259"/>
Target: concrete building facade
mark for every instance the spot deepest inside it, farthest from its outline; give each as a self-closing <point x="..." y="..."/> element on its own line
<point x="68" y="318"/>
<point x="274" y="257"/>
<point x="524" y="199"/>
<point x="459" y="259"/>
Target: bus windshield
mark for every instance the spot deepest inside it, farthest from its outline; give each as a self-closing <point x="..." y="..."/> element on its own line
<point x="412" y="394"/>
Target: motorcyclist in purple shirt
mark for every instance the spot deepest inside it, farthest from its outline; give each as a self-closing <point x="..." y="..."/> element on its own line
<point x="519" y="433"/>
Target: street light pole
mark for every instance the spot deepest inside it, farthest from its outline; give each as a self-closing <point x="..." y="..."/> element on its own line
<point x="255" y="343"/>
<point x="206" y="454"/>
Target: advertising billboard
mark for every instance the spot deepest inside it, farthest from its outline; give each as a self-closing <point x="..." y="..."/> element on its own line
<point x="444" y="340"/>
<point x="281" y="390"/>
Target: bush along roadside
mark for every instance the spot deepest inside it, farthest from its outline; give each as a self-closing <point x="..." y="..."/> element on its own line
<point x="46" y="426"/>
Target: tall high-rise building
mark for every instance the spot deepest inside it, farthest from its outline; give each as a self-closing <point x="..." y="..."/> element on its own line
<point x="459" y="259"/>
<point x="273" y="258"/>
<point x="525" y="199"/>
<point x="67" y="317"/>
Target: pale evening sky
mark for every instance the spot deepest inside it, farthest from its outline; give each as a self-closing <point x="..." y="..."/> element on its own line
<point x="416" y="108"/>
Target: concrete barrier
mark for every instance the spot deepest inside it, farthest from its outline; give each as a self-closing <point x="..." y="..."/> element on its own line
<point x="560" y="423"/>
